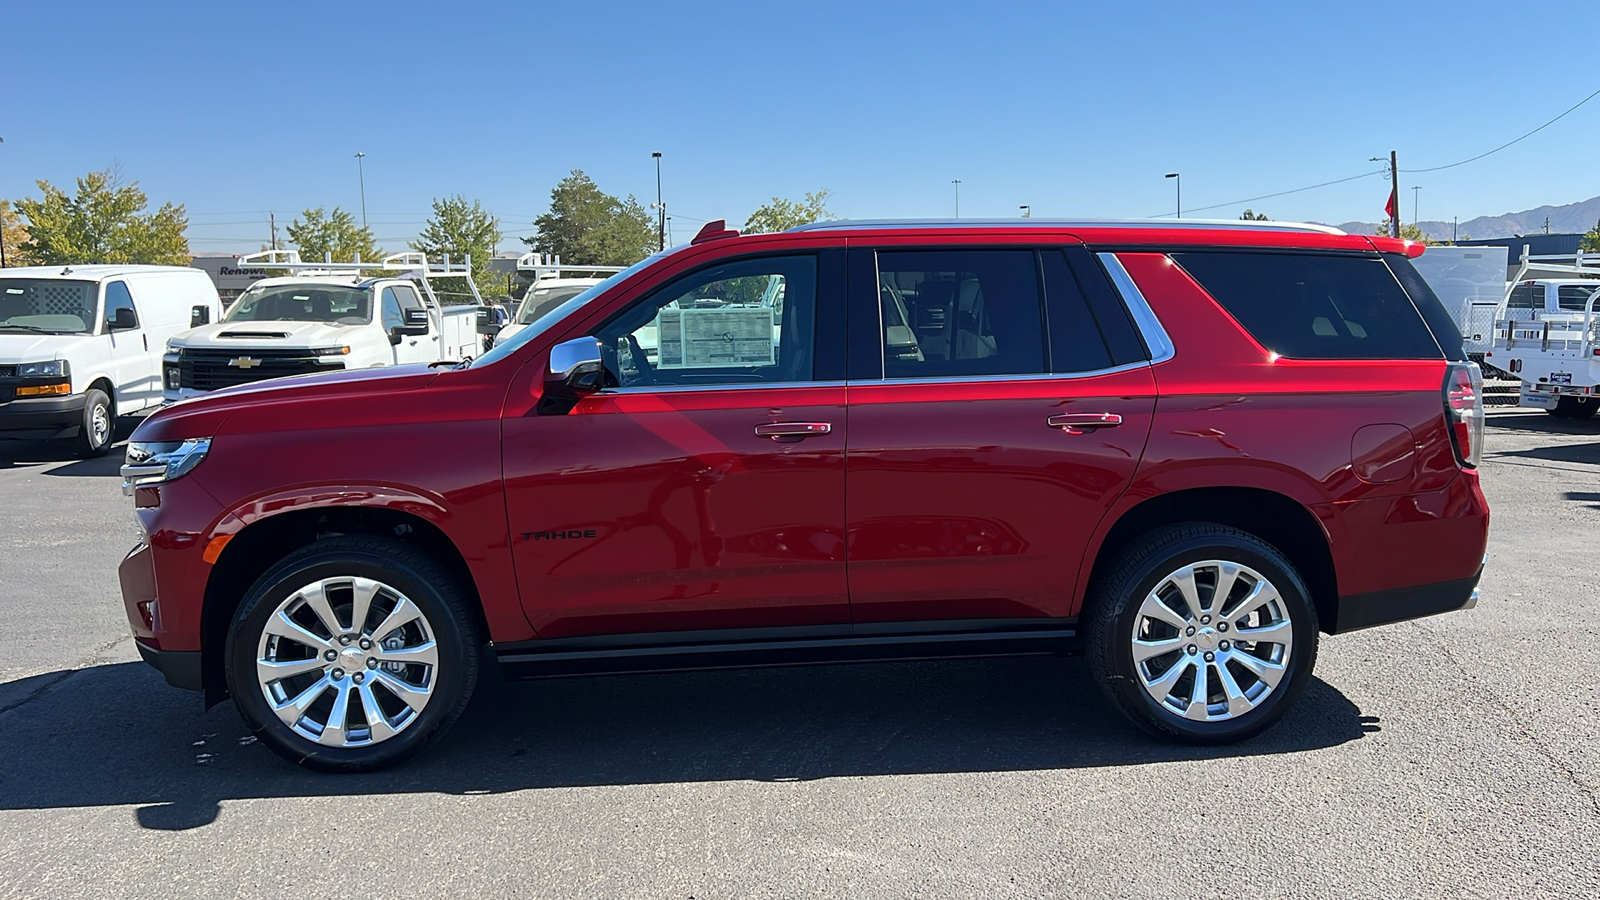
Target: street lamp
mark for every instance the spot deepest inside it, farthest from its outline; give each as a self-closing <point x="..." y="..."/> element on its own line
<point x="1180" y="191"/>
<point x="957" y="183"/>
<point x="362" y="173"/>
<point x="1027" y="211"/>
<point x="661" y="209"/>
<point x="2" y="232"/>
<point x="1415" y="189"/>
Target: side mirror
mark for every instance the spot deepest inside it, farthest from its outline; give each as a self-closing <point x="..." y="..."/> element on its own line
<point x="198" y="316"/>
<point x="124" y="319"/>
<point x="414" y="322"/>
<point x="488" y="320"/>
<point x="575" y="370"/>
<point x="414" y="316"/>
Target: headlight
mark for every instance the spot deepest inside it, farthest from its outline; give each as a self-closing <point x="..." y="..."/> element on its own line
<point x="152" y="462"/>
<point x="331" y="351"/>
<point x="55" y="368"/>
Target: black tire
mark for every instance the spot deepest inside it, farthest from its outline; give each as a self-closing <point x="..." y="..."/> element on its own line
<point x="1115" y="597"/>
<point x="98" y="429"/>
<point x="1576" y="407"/>
<point x="416" y="575"/>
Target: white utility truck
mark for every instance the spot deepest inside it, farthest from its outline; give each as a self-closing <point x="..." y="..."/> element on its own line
<point x="1547" y="334"/>
<point x="81" y="345"/>
<point x="553" y="285"/>
<point x="1470" y="282"/>
<point x="328" y="316"/>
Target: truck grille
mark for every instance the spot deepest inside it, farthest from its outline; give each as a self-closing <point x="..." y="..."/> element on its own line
<point x="7" y="394"/>
<point x="208" y="370"/>
<point x="8" y="371"/>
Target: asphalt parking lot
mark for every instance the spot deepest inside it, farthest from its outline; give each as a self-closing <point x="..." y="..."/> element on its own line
<point x="1452" y="757"/>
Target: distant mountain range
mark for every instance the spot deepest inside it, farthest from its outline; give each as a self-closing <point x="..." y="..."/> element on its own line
<point x="1573" y="217"/>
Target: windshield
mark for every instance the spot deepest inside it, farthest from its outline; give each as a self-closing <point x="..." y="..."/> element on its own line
<point x="47" y="305"/>
<point x="331" y="303"/>
<point x="539" y="301"/>
<point x="548" y="320"/>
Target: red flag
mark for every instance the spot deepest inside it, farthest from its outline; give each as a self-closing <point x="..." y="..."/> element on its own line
<point x="1388" y="208"/>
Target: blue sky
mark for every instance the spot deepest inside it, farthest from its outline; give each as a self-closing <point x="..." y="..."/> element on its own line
<point x="1075" y="109"/>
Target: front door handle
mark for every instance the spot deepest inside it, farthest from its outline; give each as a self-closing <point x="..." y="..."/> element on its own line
<point x="1078" y="423"/>
<point x="792" y="431"/>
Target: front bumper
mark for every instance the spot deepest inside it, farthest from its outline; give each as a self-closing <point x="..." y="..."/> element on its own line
<point x="181" y="668"/>
<point x="41" y="418"/>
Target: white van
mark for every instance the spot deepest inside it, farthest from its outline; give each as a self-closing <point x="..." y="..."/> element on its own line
<point x="81" y="345"/>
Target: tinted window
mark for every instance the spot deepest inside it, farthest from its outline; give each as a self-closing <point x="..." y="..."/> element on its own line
<point x="1315" y="306"/>
<point x="117" y="297"/>
<point x="1076" y="344"/>
<point x="1446" y="332"/>
<point x="950" y="313"/>
<point x="1526" y="296"/>
<point x="1575" y="297"/>
<point x="751" y="320"/>
<point x="1110" y="312"/>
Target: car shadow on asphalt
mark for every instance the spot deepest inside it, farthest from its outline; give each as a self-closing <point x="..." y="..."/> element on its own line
<point x="1541" y="421"/>
<point x="117" y="735"/>
<point x="27" y="454"/>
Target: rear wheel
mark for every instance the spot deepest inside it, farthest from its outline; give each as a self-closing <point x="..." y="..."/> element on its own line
<point x="1202" y="633"/>
<point x="353" y="654"/>
<point x="1576" y="408"/>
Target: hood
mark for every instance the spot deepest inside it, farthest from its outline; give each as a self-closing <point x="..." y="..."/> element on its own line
<point x="206" y="413"/>
<point x="265" y="335"/>
<point x="21" y="347"/>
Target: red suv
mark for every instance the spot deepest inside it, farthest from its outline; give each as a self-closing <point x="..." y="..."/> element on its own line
<point x="1182" y="449"/>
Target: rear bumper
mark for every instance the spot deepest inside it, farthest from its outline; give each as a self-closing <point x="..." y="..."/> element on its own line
<point x="181" y="668"/>
<point x="1358" y="611"/>
<point x="41" y="418"/>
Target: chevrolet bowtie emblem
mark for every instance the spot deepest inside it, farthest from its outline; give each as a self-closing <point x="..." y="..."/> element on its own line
<point x="244" y="362"/>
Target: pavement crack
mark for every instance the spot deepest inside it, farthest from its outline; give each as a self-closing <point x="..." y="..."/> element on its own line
<point x="94" y="654"/>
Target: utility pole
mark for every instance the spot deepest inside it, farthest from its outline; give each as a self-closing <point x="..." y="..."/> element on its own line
<point x="1415" y="189"/>
<point x="1546" y="224"/>
<point x="661" y="209"/>
<point x="957" y="183"/>
<point x="2" y="232"/>
<point x="272" y="219"/>
<point x="1454" y="221"/>
<point x="362" y="172"/>
<point x="1394" y="187"/>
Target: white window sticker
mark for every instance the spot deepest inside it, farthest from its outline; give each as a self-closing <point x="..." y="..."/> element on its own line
<point x="732" y="338"/>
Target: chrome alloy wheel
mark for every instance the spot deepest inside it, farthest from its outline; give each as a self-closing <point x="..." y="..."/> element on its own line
<point x="100" y="426"/>
<point x="1212" y="641"/>
<point x="347" y="661"/>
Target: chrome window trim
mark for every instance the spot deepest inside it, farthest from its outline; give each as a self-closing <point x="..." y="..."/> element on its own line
<point x="735" y="386"/>
<point x="1155" y="336"/>
<point x="868" y="382"/>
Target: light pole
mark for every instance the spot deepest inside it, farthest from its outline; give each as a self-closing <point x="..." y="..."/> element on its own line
<point x="1180" y="190"/>
<point x="957" y="183"/>
<point x="1415" y="189"/>
<point x="361" y="171"/>
<point x="2" y="232"/>
<point x="661" y="209"/>
<point x="1027" y="211"/>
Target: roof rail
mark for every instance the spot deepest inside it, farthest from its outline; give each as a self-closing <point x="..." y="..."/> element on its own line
<point x="866" y="224"/>
<point x="549" y="266"/>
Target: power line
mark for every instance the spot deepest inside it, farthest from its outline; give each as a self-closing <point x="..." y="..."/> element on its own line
<point x="1311" y="187"/>
<point x="1509" y="143"/>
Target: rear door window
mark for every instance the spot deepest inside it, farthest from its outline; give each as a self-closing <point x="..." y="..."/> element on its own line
<point x="1076" y="342"/>
<point x="1315" y="306"/>
<point x="957" y="313"/>
<point x="1575" y="297"/>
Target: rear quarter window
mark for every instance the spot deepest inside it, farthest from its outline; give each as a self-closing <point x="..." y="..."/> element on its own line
<point x="1315" y="306"/>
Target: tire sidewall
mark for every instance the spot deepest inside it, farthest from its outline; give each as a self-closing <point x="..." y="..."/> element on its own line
<point x="94" y="399"/>
<point x="1125" y="679"/>
<point x="454" y="673"/>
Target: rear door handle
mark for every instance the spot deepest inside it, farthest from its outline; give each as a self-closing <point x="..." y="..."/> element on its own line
<point x="1078" y="423"/>
<point x="792" y="431"/>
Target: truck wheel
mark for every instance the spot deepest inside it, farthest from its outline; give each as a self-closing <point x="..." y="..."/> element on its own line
<point x="98" y="428"/>
<point x="1576" y="407"/>
<point x="1201" y="633"/>
<point x="352" y="654"/>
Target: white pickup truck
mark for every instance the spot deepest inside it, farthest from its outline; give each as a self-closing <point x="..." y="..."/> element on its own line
<point x="1547" y="334"/>
<point x="553" y="285"/>
<point x="326" y="316"/>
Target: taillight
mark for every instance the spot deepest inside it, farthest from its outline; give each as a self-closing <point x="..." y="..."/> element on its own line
<point x="1463" y="408"/>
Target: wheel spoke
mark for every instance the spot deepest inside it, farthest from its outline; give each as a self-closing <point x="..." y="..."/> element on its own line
<point x="1270" y="673"/>
<point x="377" y="722"/>
<point x="1162" y="686"/>
<point x="334" y="733"/>
<point x="425" y="654"/>
<point x="1198" y="693"/>
<point x="364" y="590"/>
<point x="1143" y="650"/>
<point x="1153" y="608"/>
<point x="268" y="670"/>
<point x="1238" y="703"/>
<point x="290" y="711"/>
<point x="404" y="611"/>
<point x="1260" y="595"/>
<point x="1276" y="633"/>
<point x="409" y="694"/>
<point x="1227" y="577"/>
<point x="316" y="597"/>
<point x="1183" y="580"/>
<point x="281" y="625"/>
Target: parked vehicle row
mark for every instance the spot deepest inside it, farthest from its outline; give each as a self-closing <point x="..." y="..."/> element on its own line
<point x="1547" y="335"/>
<point x="1182" y="449"/>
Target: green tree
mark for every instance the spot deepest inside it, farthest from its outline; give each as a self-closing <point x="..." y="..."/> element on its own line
<point x="1591" y="240"/>
<point x="1407" y="232"/>
<point x="588" y="227"/>
<point x="1251" y="215"/>
<point x="463" y="230"/>
<point x="105" y="222"/>
<point x="321" y="233"/>
<point x="782" y="215"/>
<point x="13" y="237"/>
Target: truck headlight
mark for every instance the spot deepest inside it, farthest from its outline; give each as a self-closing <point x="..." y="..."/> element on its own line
<point x="155" y="462"/>
<point x="331" y="351"/>
<point x="55" y="368"/>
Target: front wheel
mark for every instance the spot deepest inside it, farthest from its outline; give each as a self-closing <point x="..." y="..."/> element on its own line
<point x="1202" y="633"/>
<point x="352" y="654"/>
<point x="96" y="431"/>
